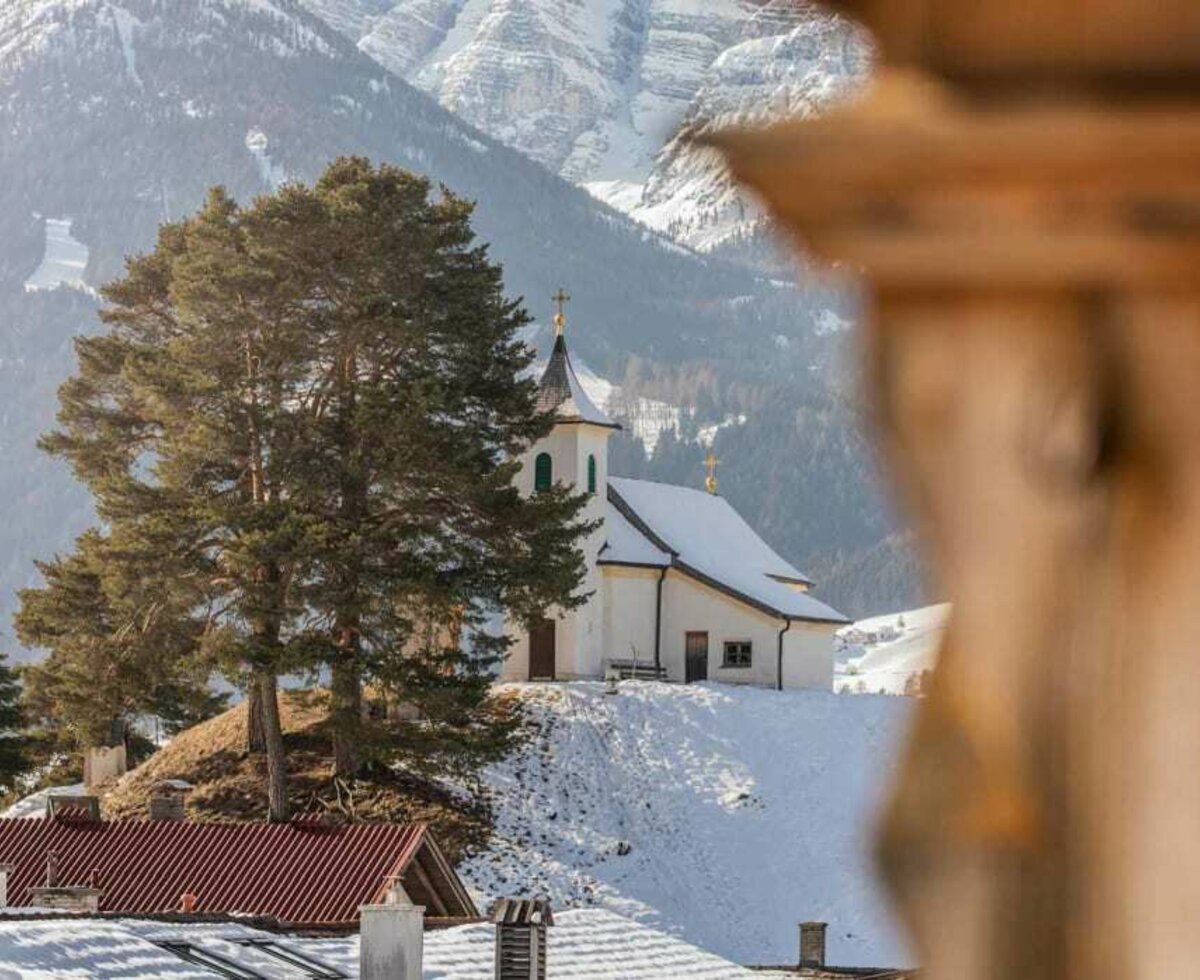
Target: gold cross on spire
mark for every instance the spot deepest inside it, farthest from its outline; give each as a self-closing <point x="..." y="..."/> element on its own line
<point x="561" y="298"/>
<point x="712" y="463"/>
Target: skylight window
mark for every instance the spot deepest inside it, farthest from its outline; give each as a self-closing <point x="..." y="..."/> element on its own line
<point x="313" y="968"/>
<point x="219" y="965"/>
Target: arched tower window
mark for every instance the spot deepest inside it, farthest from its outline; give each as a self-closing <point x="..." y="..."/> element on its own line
<point x="591" y="474"/>
<point x="543" y="473"/>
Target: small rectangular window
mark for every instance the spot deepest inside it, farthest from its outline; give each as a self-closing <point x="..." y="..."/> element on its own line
<point x="738" y="653"/>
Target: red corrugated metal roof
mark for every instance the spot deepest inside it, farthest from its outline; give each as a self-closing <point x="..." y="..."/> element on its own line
<point x="298" y="874"/>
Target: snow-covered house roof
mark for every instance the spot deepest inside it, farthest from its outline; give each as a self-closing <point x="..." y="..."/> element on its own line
<point x="560" y="391"/>
<point x="588" y="944"/>
<point x="659" y="525"/>
<point x="626" y="545"/>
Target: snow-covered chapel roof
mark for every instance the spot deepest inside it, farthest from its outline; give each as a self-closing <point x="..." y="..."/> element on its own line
<point x="560" y="391"/>
<point x="657" y="525"/>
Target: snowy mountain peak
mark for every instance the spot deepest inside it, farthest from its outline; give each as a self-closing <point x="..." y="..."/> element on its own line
<point x="597" y="91"/>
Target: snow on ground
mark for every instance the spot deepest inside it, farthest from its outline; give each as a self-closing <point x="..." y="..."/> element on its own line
<point x="271" y="173"/>
<point x="880" y="655"/>
<point x="64" y="260"/>
<point x="722" y="815"/>
<point x="645" y="418"/>
<point x="35" y="805"/>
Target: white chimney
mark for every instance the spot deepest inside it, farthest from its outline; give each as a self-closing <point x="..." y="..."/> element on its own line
<point x="103" y="764"/>
<point x="391" y="939"/>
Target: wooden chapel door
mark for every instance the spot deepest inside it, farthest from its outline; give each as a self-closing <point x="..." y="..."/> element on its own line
<point x="696" y="662"/>
<point x="542" y="645"/>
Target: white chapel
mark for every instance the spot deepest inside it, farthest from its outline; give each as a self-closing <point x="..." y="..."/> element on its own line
<point x="679" y="585"/>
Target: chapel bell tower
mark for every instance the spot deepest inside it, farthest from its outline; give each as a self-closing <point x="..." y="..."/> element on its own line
<point x="575" y="453"/>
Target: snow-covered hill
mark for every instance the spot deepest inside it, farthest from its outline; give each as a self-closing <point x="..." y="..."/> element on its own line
<point x="720" y="814"/>
<point x="597" y="91"/>
<point x="885" y="655"/>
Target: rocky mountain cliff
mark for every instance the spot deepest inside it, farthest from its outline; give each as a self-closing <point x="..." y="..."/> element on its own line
<point x="608" y="92"/>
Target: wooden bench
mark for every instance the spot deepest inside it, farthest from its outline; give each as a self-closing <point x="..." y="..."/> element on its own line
<point x="637" y="670"/>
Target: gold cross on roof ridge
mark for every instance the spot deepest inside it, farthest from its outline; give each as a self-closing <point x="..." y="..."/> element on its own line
<point x="561" y="298"/>
<point x="712" y="463"/>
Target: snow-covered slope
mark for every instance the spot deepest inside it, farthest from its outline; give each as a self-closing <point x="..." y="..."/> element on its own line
<point x="887" y="654"/>
<point x="34" y="805"/>
<point x="597" y="91"/>
<point x="812" y="63"/>
<point x="64" y="261"/>
<point x="720" y="814"/>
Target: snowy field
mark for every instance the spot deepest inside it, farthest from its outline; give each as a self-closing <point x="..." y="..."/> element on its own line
<point x="34" y="806"/>
<point x="64" y="260"/>
<point x="880" y="655"/>
<point x="722" y="815"/>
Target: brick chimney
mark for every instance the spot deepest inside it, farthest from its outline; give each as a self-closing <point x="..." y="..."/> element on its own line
<point x="812" y="944"/>
<point x="69" y="898"/>
<point x="521" y="926"/>
<point x="168" y="800"/>
<point x="391" y="939"/>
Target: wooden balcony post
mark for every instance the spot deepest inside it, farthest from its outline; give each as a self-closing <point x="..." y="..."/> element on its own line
<point x="1021" y="188"/>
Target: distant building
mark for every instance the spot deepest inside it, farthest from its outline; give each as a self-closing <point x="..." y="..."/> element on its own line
<point x="680" y="585"/>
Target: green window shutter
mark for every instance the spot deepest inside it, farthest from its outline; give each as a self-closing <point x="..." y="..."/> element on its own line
<point x="591" y="474"/>
<point x="543" y="473"/>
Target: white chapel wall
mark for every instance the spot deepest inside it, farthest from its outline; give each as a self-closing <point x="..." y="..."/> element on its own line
<point x="630" y="609"/>
<point x="579" y="634"/>
<point x="586" y="656"/>
<point x="808" y="653"/>
<point x="689" y="606"/>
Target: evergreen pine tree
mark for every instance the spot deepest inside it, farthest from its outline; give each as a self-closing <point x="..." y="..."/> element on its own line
<point x="181" y="423"/>
<point x="118" y="647"/>
<point x="304" y="423"/>
<point x="413" y="428"/>
<point x="14" y="756"/>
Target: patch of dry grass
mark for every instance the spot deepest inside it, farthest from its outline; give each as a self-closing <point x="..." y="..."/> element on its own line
<point x="230" y="783"/>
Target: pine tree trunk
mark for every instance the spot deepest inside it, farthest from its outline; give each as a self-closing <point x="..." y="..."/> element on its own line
<point x="277" y="805"/>
<point x="346" y="680"/>
<point x="256" y="739"/>
<point x="346" y="685"/>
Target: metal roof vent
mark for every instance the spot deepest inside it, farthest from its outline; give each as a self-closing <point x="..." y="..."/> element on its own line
<point x="521" y="926"/>
<point x="168" y="800"/>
